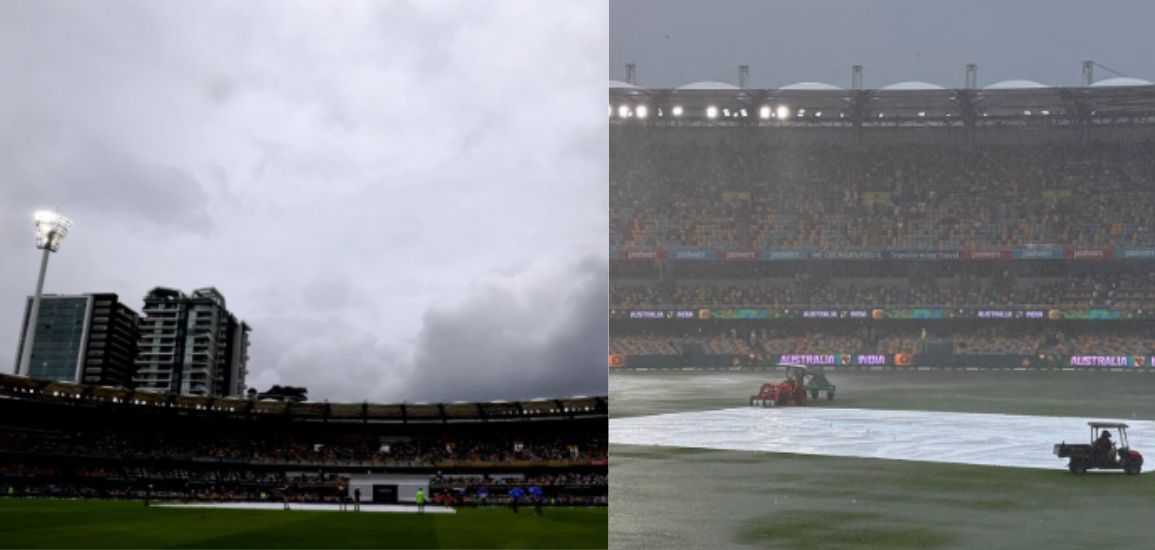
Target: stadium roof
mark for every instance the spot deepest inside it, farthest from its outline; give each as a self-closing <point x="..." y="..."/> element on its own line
<point x="20" y="387"/>
<point x="620" y="84"/>
<point x="1015" y="102"/>
<point x="1122" y="81"/>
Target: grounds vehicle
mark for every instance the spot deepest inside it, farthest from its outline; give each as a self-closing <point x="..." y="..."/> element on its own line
<point x="1084" y="457"/>
<point x="799" y="382"/>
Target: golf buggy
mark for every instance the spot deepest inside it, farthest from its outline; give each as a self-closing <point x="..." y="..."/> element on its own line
<point x="799" y="382"/>
<point x="1098" y="454"/>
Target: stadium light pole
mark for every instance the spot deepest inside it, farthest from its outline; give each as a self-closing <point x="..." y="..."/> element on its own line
<point x="51" y="228"/>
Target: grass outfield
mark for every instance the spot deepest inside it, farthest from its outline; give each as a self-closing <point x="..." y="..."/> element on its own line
<point x="34" y="523"/>
<point x="752" y="499"/>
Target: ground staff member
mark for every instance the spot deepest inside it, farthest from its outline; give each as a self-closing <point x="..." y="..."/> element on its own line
<point x="515" y="495"/>
<point x="538" y="496"/>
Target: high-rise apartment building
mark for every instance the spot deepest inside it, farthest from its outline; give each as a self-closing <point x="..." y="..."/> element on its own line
<point x="83" y="338"/>
<point x="191" y="344"/>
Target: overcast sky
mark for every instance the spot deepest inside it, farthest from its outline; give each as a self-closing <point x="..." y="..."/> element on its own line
<point x="674" y="42"/>
<point x="406" y="200"/>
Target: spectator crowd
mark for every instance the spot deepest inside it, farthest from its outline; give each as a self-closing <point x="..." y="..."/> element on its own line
<point x="744" y="193"/>
<point x="310" y="450"/>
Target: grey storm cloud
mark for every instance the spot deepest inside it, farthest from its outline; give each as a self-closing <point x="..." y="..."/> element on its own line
<point x="549" y="337"/>
<point x="533" y="332"/>
<point x="48" y="165"/>
<point x="405" y="200"/>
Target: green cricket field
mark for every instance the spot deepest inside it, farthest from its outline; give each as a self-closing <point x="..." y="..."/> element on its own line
<point x="42" y="523"/>
<point x="674" y="497"/>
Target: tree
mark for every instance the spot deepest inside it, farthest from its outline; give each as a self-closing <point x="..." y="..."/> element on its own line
<point x="286" y="393"/>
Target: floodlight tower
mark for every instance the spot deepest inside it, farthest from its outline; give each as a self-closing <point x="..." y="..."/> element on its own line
<point x="51" y="228"/>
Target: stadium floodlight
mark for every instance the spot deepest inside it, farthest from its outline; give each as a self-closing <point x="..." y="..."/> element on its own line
<point x="922" y="113"/>
<point x="51" y="228"/>
<point x="611" y="110"/>
<point x="642" y="111"/>
<point x="677" y="110"/>
<point x="624" y="111"/>
<point x="726" y="112"/>
<point x="818" y="114"/>
<point x="783" y="112"/>
<point x="711" y="112"/>
<point x="1027" y="112"/>
<point x="764" y="112"/>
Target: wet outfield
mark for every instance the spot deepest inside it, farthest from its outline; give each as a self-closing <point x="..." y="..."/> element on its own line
<point x="680" y="497"/>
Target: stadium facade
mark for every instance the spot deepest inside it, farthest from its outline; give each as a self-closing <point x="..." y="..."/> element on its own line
<point x="191" y="344"/>
<point x="84" y="338"/>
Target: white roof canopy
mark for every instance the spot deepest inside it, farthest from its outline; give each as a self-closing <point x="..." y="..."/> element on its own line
<point x="914" y="85"/>
<point x="708" y="85"/>
<point x="1015" y="84"/>
<point x="810" y="86"/>
<point x="1123" y="81"/>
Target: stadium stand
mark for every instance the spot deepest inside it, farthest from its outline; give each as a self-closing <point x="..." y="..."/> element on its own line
<point x="68" y="440"/>
<point x="874" y="227"/>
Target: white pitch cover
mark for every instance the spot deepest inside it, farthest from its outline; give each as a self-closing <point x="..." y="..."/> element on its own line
<point x="960" y="438"/>
<point x="365" y="507"/>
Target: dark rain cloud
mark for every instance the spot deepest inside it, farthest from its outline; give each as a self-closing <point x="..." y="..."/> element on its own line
<point x="544" y="339"/>
<point x="539" y="331"/>
<point x="77" y="173"/>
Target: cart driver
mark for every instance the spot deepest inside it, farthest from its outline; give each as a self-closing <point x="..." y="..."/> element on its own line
<point x="1104" y="446"/>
